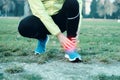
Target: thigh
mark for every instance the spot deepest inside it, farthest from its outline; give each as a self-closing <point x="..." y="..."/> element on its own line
<point x="60" y="19"/>
<point x="32" y="27"/>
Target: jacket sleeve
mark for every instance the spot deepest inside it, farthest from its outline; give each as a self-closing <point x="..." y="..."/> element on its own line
<point x="39" y="11"/>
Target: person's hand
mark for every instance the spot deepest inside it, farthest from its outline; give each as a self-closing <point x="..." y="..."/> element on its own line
<point x="65" y="42"/>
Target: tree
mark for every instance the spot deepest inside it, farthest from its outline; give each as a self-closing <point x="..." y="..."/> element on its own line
<point x="12" y="7"/>
<point x="83" y="8"/>
<point x="27" y="10"/>
<point x="2" y="2"/>
<point x="9" y="8"/>
<point x="93" y="8"/>
<point x="19" y="9"/>
<point x="105" y="8"/>
<point x="117" y="12"/>
<point x="100" y="8"/>
<point x="108" y="8"/>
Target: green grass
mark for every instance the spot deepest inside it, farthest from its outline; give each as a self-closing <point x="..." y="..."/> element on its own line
<point x="32" y="77"/>
<point x="99" y="41"/>
<point x="106" y="77"/>
<point x="14" y="69"/>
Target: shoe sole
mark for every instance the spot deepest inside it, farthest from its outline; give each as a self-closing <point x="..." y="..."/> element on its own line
<point x="38" y="53"/>
<point x="77" y="59"/>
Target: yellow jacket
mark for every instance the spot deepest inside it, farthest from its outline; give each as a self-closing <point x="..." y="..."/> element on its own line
<point x="43" y="9"/>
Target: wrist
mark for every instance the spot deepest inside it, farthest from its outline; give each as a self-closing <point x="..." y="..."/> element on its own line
<point x="58" y="35"/>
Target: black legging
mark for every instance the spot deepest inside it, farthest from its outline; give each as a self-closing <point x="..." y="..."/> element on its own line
<point x="66" y="19"/>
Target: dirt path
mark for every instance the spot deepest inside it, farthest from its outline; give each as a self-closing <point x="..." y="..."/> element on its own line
<point x="59" y="70"/>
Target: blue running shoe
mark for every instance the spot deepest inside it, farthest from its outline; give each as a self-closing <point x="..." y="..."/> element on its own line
<point x="41" y="46"/>
<point x="73" y="56"/>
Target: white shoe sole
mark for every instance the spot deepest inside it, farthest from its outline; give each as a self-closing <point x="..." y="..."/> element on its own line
<point x="72" y="60"/>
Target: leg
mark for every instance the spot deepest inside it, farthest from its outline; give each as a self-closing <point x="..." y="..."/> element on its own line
<point x="71" y="11"/>
<point x="32" y="27"/>
<point x="69" y="18"/>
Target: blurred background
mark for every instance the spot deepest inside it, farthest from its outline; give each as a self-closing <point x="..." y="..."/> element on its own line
<point x="107" y="9"/>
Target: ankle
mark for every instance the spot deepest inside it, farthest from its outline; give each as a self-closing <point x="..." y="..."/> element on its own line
<point x="74" y="40"/>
